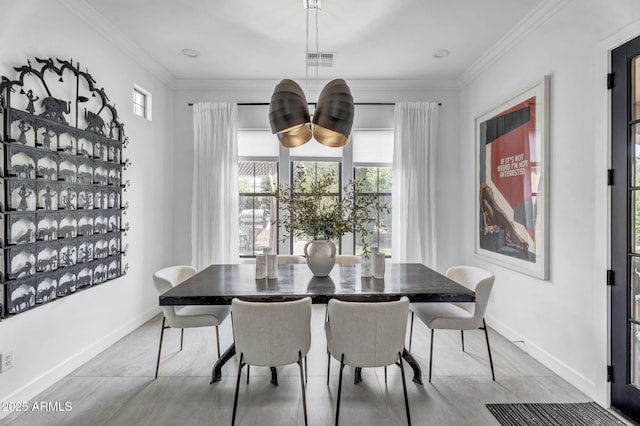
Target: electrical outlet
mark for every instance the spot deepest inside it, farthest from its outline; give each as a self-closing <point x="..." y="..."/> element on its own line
<point x="6" y="361"/>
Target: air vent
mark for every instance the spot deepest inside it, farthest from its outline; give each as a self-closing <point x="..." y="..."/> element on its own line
<point x="320" y="59"/>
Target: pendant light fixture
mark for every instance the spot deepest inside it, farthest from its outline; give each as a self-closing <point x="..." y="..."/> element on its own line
<point x="289" y="112"/>
<point x="333" y="117"/>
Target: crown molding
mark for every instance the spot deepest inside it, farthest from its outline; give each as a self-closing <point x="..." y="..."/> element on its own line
<point x="111" y="33"/>
<point x="524" y="27"/>
<point x="392" y="85"/>
<point x="223" y="85"/>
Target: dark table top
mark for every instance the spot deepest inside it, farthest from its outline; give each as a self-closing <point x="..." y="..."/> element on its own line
<point x="219" y="284"/>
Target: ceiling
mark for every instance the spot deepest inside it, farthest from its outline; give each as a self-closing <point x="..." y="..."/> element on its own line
<point x="372" y="39"/>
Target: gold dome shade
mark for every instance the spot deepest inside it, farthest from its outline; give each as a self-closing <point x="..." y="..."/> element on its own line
<point x="333" y="118"/>
<point x="329" y="137"/>
<point x="295" y="136"/>
<point x="288" y="109"/>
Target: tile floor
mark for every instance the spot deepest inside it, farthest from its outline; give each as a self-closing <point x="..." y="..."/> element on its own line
<point x="117" y="386"/>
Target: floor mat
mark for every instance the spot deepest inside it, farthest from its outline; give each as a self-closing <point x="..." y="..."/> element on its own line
<point x="579" y="414"/>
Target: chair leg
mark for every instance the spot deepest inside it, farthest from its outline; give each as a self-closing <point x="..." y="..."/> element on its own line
<point x="404" y="388"/>
<point x="486" y="335"/>
<point x="326" y="319"/>
<point x="339" y="388"/>
<point x="306" y="370"/>
<point x="385" y="374"/>
<point x="181" y="337"/>
<point x="218" y="340"/>
<point x="160" y="346"/>
<point x="304" y="396"/>
<point x="235" y="399"/>
<point x="328" y="366"/>
<point x="462" y="337"/>
<point x="431" y="355"/>
<point x="248" y="370"/>
<point x="411" y="331"/>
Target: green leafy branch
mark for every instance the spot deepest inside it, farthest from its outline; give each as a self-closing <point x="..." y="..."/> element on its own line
<point x="310" y="210"/>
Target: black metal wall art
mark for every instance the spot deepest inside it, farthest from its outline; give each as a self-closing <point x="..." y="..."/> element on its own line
<point x="61" y="189"/>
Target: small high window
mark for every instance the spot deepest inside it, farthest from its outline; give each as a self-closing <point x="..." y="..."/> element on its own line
<point x="141" y="103"/>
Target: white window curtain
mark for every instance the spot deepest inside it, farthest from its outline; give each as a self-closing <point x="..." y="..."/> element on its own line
<point x="215" y="199"/>
<point x="414" y="236"/>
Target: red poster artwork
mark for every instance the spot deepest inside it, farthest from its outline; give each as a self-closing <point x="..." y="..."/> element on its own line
<point x="506" y="202"/>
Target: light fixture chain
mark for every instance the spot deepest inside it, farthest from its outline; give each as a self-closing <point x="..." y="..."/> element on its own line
<point x="317" y="47"/>
<point x="306" y="53"/>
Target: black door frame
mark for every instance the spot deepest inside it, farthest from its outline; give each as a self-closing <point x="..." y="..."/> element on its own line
<point x="624" y="396"/>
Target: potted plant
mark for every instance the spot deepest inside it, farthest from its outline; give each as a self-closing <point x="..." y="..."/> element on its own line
<point x="308" y="211"/>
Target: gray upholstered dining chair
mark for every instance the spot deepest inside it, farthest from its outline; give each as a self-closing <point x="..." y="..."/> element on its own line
<point x="288" y="259"/>
<point x="270" y="334"/>
<point x="458" y="316"/>
<point x="367" y="335"/>
<point x="185" y="316"/>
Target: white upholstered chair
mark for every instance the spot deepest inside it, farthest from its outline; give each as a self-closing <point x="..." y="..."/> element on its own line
<point x="269" y="334"/>
<point x="288" y="259"/>
<point x="367" y="335"/>
<point x="458" y="316"/>
<point x="185" y="316"/>
<point x="347" y="259"/>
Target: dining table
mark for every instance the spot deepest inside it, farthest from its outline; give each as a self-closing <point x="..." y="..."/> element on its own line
<point x="220" y="284"/>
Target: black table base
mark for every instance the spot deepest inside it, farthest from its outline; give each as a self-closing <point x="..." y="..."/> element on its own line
<point x="417" y="371"/>
<point x="216" y="374"/>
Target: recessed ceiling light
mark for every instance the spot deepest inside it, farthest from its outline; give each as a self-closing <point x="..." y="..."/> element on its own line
<point x="190" y="53"/>
<point x="441" y="53"/>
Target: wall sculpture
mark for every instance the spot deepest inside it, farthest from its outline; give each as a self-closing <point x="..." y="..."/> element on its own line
<point x="62" y="185"/>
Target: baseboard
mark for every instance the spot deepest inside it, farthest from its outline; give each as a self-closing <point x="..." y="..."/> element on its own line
<point x="66" y="367"/>
<point x="560" y="368"/>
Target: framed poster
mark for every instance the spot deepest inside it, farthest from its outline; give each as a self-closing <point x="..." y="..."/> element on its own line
<point x="512" y="182"/>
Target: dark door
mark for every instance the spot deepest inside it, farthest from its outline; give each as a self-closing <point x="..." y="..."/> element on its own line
<point x="625" y="229"/>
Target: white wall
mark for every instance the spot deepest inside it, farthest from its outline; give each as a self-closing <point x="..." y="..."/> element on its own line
<point x="563" y="321"/>
<point x="448" y="215"/>
<point x="50" y="341"/>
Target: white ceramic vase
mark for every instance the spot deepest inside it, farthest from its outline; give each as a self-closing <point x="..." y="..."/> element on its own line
<point x="272" y="266"/>
<point x="378" y="266"/>
<point x="321" y="256"/>
<point x="261" y="267"/>
<point x="366" y="265"/>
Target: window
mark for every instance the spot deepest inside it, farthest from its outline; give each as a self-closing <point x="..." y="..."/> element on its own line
<point x="258" y="181"/>
<point x="376" y="180"/>
<point x="141" y="103"/>
<point x="372" y="157"/>
<point x="313" y="170"/>
<point x="262" y="162"/>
